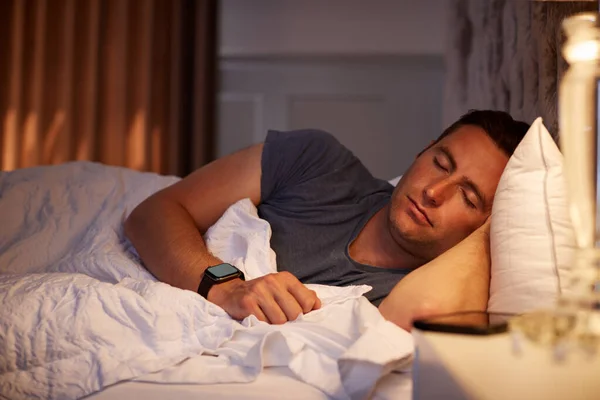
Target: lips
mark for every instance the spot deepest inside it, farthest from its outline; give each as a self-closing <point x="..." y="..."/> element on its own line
<point x="418" y="213"/>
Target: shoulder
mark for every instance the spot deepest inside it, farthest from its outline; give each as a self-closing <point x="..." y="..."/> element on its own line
<point x="311" y="145"/>
<point x="306" y="137"/>
<point x="305" y="157"/>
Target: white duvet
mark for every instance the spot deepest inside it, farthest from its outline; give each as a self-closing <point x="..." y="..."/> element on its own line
<point x="79" y="312"/>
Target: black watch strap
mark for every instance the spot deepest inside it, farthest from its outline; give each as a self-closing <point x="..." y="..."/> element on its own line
<point x="211" y="277"/>
<point x="204" y="287"/>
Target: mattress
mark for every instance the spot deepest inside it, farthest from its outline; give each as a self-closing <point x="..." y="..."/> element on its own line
<point x="272" y="383"/>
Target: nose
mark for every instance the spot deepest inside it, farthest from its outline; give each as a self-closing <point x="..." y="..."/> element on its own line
<point x="436" y="192"/>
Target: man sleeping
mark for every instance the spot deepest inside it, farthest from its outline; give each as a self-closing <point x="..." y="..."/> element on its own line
<point x="333" y="223"/>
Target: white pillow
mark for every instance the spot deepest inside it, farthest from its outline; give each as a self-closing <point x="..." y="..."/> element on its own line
<point x="532" y="240"/>
<point x="395" y="181"/>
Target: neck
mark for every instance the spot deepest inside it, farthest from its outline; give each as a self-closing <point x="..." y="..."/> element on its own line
<point x="375" y="245"/>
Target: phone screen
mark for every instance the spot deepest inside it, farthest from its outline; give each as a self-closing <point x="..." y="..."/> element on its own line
<point x="471" y="323"/>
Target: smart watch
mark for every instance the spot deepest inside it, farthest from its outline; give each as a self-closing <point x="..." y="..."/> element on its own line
<point x="217" y="274"/>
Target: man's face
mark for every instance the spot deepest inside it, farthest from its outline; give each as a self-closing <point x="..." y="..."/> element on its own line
<point x="446" y="193"/>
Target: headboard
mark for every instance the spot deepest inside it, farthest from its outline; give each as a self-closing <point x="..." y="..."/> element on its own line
<point x="505" y="55"/>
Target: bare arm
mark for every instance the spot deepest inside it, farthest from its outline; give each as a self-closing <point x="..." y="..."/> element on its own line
<point x="166" y="230"/>
<point x="457" y="280"/>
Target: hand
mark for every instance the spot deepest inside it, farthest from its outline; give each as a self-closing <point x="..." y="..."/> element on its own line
<point x="274" y="298"/>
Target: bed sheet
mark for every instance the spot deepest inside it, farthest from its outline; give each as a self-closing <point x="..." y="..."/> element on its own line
<point x="65" y="262"/>
<point x="272" y="383"/>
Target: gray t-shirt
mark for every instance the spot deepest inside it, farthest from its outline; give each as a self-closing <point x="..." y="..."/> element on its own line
<point x="317" y="196"/>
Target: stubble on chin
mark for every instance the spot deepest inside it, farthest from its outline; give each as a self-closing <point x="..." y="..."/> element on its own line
<point x="414" y="243"/>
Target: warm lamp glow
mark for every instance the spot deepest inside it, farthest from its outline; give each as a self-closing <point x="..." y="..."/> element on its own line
<point x="583" y="51"/>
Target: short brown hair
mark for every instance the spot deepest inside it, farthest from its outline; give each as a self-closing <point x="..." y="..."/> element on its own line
<point x="505" y="131"/>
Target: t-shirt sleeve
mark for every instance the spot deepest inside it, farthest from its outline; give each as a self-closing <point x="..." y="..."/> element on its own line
<point x="295" y="157"/>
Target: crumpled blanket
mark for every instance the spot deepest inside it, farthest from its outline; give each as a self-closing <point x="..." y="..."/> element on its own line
<point x="80" y="313"/>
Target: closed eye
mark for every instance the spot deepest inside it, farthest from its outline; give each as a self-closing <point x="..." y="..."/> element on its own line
<point x="439" y="165"/>
<point x="468" y="202"/>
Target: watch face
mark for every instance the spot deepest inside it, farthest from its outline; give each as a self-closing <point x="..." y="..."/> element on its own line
<point x="222" y="271"/>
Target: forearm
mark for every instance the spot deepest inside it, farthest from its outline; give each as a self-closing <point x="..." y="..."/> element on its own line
<point x="457" y="280"/>
<point x="169" y="243"/>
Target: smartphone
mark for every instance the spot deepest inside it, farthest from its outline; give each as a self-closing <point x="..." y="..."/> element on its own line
<point x="468" y="323"/>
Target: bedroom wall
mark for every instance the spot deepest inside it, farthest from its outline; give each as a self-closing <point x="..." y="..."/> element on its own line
<point x="507" y="55"/>
<point x="371" y="73"/>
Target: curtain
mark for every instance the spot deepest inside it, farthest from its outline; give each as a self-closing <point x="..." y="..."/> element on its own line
<point x="122" y="82"/>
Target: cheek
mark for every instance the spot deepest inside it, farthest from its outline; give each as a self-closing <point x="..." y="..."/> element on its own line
<point x="461" y="219"/>
<point x="415" y="175"/>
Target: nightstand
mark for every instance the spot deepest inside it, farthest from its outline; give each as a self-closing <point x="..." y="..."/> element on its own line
<point x="456" y="366"/>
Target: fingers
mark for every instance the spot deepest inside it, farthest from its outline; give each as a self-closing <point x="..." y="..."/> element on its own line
<point x="249" y="305"/>
<point x="272" y="311"/>
<point x="258" y="299"/>
<point x="317" y="302"/>
<point x="306" y="298"/>
<point x="288" y="304"/>
<point x="277" y="303"/>
<point x="277" y="298"/>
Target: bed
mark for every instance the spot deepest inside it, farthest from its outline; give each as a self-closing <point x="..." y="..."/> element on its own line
<point x="271" y="384"/>
<point x="82" y="317"/>
<point x="62" y="240"/>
